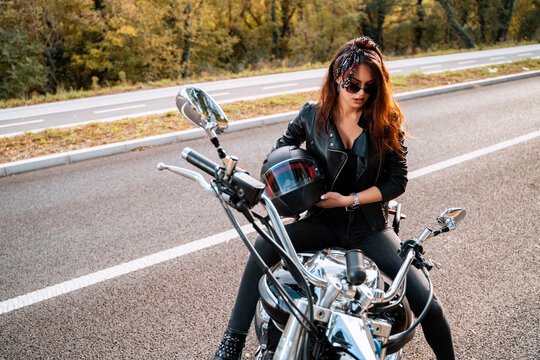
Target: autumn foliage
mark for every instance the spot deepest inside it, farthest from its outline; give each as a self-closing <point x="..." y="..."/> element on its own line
<point x="79" y="44"/>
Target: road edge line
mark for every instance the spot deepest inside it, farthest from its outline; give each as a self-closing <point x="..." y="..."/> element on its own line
<point x="117" y="270"/>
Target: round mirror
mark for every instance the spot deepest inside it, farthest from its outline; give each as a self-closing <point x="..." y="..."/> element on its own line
<point x="200" y="109"/>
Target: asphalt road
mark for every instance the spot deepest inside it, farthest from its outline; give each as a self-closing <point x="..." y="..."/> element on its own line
<point x="138" y="103"/>
<point x="62" y="223"/>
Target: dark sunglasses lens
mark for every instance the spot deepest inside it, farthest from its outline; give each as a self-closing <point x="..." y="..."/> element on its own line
<point x="352" y="88"/>
<point x="370" y="90"/>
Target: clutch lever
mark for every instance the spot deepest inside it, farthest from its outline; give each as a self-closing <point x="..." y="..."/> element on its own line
<point x="190" y="174"/>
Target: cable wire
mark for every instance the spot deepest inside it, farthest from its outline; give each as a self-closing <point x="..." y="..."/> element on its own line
<point x="299" y="315"/>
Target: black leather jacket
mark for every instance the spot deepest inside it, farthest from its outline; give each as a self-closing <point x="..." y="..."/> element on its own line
<point x="387" y="172"/>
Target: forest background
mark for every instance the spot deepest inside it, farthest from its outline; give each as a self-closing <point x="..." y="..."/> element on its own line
<point x="52" y="45"/>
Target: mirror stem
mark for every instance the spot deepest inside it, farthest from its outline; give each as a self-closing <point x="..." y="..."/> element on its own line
<point x="221" y="153"/>
<point x="215" y="141"/>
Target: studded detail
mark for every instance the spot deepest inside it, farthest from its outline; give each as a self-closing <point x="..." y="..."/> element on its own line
<point x="230" y="347"/>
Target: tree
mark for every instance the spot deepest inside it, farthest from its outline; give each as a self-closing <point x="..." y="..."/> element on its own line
<point x="375" y="12"/>
<point x="21" y="68"/>
<point x="188" y="12"/>
<point x="419" y="26"/>
<point x="469" y="42"/>
<point x="505" y="16"/>
<point x="526" y="20"/>
<point x="482" y="10"/>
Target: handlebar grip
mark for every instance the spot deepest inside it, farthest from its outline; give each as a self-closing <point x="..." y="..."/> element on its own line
<point x="200" y="161"/>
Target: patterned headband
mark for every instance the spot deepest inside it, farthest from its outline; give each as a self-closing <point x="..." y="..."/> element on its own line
<point x="345" y="65"/>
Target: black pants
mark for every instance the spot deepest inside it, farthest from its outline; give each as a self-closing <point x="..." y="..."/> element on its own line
<point x="349" y="230"/>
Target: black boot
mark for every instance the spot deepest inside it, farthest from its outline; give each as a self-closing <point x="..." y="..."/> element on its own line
<point x="230" y="347"/>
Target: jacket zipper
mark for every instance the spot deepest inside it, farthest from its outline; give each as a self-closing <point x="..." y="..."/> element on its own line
<point x="341" y="168"/>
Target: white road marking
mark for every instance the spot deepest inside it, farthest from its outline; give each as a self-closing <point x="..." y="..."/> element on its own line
<point x="472" y="155"/>
<point x="244" y="98"/>
<point x="120" y="117"/>
<point x="497" y="58"/>
<point x="163" y="111"/>
<point x="22" y="123"/>
<point x="524" y="54"/>
<point x="466" y="62"/>
<point x="147" y="261"/>
<point x="431" y="66"/>
<point x="279" y="86"/>
<point x="120" y="108"/>
<point x="395" y="71"/>
<point x="119" y="270"/>
<point x="220" y="94"/>
<point x="466" y="67"/>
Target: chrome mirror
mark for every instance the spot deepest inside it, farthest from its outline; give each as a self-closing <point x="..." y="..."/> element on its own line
<point x="451" y="216"/>
<point x="201" y="110"/>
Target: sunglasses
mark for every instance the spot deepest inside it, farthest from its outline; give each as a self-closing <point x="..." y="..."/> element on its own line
<point x="354" y="88"/>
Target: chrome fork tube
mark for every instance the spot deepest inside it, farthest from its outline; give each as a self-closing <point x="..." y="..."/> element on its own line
<point x="293" y="335"/>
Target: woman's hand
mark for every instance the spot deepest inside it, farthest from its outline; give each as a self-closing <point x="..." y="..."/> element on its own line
<point x="334" y="199"/>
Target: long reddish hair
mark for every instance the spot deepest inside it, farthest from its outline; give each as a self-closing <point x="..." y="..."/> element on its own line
<point x="382" y="114"/>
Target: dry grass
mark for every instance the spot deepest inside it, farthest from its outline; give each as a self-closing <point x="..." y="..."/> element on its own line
<point x="416" y="81"/>
<point x="52" y="141"/>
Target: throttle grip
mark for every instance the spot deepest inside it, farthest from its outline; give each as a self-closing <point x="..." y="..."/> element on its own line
<point x="200" y="161"/>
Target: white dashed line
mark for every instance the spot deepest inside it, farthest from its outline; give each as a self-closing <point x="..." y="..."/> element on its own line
<point x="118" y="109"/>
<point x="431" y="66"/>
<point x="279" y="86"/>
<point x="22" y="123"/>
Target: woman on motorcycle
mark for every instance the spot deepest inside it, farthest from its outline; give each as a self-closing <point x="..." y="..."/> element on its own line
<point x="355" y="133"/>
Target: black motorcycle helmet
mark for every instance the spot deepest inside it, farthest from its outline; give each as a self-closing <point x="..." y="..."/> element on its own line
<point x="293" y="180"/>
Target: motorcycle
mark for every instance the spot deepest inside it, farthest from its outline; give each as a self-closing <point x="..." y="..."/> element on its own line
<point x="331" y="304"/>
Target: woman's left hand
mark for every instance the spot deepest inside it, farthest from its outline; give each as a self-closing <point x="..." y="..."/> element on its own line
<point x="334" y="199"/>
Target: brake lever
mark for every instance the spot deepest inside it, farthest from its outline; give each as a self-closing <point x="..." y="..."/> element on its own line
<point x="433" y="262"/>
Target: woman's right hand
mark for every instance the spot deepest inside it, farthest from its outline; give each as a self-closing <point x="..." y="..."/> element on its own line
<point x="333" y="199"/>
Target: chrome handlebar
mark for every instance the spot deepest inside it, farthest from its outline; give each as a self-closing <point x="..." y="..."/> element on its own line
<point x="373" y="296"/>
<point x="286" y="242"/>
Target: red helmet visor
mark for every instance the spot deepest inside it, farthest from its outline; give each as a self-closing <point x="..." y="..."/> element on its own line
<point x="288" y="176"/>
